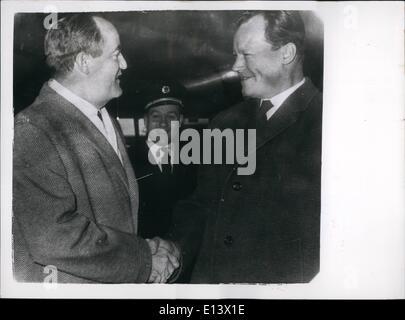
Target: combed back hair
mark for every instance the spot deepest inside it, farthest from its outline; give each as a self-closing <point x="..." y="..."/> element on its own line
<point x="73" y="34"/>
<point x="282" y="27"/>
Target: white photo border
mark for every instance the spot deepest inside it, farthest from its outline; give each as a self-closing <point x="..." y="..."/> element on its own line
<point x="363" y="223"/>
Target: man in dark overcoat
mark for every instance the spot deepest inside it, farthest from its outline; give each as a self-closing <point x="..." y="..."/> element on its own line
<point x="263" y="227"/>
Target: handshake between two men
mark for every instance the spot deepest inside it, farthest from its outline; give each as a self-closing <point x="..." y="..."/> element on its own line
<point x="165" y="260"/>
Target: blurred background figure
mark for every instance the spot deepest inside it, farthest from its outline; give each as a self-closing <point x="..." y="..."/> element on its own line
<point x="161" y="183"/>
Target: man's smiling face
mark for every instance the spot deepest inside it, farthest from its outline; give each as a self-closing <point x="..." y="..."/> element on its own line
<point x="257" y="63"/>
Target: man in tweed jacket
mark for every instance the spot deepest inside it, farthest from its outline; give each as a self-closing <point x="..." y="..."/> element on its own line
<point x="75" y="196"/>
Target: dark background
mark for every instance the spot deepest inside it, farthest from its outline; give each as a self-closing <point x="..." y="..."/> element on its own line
<point x="190" y="46"/>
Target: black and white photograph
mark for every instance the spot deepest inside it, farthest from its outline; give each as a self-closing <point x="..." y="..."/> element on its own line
<point x="155" y="148"/>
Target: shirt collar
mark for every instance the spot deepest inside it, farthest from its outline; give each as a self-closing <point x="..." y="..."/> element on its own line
<point x="154" y="148"/>
<point x="83" y="105"/>
<point x="278" y="99"/>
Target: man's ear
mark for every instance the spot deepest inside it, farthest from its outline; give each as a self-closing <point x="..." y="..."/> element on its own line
<point x="289" y="52"/>
<point x="82" y="62"/>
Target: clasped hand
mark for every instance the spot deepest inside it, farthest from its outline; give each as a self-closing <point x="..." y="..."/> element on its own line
<point x="165" y="259"/>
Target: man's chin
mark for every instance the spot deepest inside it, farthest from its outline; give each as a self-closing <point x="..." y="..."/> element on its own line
<point x="247" y="92"/>
<point x="117" y="92"/>
<point x="254" y="91"/>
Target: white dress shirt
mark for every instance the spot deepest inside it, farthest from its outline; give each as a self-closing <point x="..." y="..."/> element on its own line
<point x="278" y="99"/>
<point x="90" y="111"/>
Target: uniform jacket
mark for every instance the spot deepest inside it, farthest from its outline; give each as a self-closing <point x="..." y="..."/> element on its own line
<point x="158" y="192"/>
<point x="75" y="204"/>
<point x="264" y="227"/>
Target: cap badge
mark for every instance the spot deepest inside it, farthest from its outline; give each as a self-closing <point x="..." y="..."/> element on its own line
<point x="165" y="89"/>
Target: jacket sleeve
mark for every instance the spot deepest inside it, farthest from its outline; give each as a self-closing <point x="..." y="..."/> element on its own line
<point x="55" y="230"/>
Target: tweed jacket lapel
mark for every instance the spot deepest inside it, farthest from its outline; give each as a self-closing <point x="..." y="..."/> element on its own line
<point x="79" y="122"/>
<point x="131" y="179"/>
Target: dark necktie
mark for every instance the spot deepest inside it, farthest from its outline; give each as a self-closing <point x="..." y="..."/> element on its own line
<point x="265" y="106"/>
<point x="100" y="117"/>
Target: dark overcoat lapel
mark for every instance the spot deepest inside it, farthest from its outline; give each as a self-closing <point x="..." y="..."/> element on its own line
<point x="287" y="114"/>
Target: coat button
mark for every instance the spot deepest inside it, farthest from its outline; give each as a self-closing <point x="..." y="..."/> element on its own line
<point x="102" y="241"/>
<point x="237" y="186"/>
<point x="228" y="240"/>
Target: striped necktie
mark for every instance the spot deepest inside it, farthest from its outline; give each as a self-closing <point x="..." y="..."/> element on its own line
<point x="100" y="117"/>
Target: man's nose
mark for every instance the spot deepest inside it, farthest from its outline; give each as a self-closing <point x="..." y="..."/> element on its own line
<point x="164" y="123"/>
<point x="238" y="65"/>
<point x="123" y="62"/>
